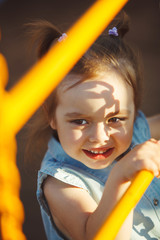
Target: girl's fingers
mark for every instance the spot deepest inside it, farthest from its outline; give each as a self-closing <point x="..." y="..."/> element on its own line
<point x="149" y="156"/>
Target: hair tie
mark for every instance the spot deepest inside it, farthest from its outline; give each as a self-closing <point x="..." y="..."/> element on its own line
<point x="113" y="32"/>
<point x="62" y="37"/>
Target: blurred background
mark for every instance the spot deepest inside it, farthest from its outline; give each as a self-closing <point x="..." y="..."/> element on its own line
<point x="14" y="14"/>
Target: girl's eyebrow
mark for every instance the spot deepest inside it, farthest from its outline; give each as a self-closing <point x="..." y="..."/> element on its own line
<point x="77" y="114"/>
<point x="74" y="114"/>
<point x="121" y="111"/>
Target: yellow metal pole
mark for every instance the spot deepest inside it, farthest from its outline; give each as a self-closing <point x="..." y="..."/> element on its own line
<point x="113" y="223"/>
<point x="38" y="83"/>
<point x="11" y="209"/>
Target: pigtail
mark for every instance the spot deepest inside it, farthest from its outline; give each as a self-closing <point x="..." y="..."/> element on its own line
<point x="123" y="24"/>
<point x="43" y="35"/>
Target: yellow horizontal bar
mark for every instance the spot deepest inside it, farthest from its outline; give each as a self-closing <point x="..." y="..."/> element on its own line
<point x="113" y="223"/>
<point x="25" y="98"/>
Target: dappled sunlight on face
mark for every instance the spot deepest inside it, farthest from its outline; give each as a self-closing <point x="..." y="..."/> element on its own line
<point x="95" y="114"/>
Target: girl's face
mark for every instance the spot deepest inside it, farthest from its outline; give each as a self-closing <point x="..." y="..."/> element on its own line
<point x="94" y="119"/>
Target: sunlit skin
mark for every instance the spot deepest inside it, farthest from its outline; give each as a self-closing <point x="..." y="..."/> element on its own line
<point x="94" y="119"/>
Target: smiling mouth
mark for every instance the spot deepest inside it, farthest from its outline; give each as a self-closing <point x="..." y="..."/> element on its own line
<point x="99" y="155"/>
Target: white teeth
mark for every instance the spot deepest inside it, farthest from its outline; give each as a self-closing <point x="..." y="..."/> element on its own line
<point x="96" y="152"/>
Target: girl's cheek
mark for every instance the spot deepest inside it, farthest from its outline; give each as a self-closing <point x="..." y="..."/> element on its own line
<point x="78" y="135"/>
<point x="123" y="137"/>
<point x="75" y="135"/>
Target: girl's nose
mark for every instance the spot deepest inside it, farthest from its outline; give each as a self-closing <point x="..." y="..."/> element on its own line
<point x="99" y="133"/>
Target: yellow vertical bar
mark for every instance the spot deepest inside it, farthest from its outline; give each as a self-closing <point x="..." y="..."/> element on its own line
<point x="113" y="223"/>
<point x="11" y="209"/>
<point x="38" y="83"/>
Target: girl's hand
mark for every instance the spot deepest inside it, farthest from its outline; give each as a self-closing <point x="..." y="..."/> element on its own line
<point x="145" y="156"/>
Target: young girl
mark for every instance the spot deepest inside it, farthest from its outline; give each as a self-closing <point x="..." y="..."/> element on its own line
<point x="99" y="141"/>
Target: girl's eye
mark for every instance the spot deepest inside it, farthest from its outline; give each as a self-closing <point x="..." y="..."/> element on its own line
<point x="115" y="120"/>
<point x="79" y="121"/>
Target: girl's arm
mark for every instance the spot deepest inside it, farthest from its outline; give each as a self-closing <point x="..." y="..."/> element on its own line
<point x="74" y="211"/>
<point x="154" y="124"/>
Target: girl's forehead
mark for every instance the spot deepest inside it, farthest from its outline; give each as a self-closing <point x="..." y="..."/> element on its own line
<point x="99" y="91"/>
<point x="110" y="81"/>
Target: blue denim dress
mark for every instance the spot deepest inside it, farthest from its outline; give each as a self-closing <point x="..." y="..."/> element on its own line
<point x="57" y="163"/>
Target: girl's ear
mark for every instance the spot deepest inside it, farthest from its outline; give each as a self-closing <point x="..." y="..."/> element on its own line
<point x="53" y="124"/>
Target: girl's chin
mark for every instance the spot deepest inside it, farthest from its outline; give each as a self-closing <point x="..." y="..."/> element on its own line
<point x="97" y="165"/>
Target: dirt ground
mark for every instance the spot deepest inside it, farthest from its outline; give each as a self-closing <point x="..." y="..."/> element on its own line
<point x="14" y="14"/>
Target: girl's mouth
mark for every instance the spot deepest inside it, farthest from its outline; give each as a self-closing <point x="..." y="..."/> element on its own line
<point x="98" y="154"/>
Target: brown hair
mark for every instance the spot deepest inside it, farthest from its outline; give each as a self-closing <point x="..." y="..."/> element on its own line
<point x="108" y="52"/>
